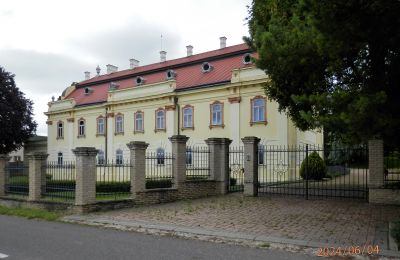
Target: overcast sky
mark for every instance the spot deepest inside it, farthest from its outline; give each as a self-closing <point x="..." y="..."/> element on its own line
<point x="49" y="44"/>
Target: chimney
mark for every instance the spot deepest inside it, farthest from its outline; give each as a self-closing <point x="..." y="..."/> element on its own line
<point x="87" y="75"/>
<point x="98" y="70"/>
<point x="163" y="56"/>
<point x="133" y="63"/>
<point x="222" y="42"/>
<point x="189" y="50"/>
<point x="111" y="68"/>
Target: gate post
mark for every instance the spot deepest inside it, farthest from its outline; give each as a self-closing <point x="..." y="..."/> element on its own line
<point x="4" y="158"/>
<point x="219" y="162"/>
<point x="138" y="166"/>
<point x="37" y="175"/>
<point x="179" y="161"/>
<point x="250" y="165"/>
<point x="375" y="164"/>
<point x="85" y="191"/>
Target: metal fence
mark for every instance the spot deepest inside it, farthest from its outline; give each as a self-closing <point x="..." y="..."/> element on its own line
<point x="17" y="178"/>
<point x="392" y="169"/>
<point x="197" y="162"/>
<point x="236" y="169"/>
<point x="60" y="181"/>
<point x="159" y="173"/>
<point x="289" y="171"/>
<point x="113" y="180"/>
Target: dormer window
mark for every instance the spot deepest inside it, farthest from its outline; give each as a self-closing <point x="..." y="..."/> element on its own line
<point x="139" y="80"/>
<point x="88" y="90"/>
<point x="171" y="74"/>
<point x="247" y="58"/>
<point x="206" y="67"/>
<point x="113" y="86"/>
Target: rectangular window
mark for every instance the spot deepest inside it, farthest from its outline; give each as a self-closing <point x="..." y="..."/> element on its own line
<point x="160" y="120"/>
<point x="100" y="126"/>
<point x="119" y="124"/>
<point x="139" y="122"/>
<point x="188" y="117"/>
<point x="216" y="114"/>
<point x="60" y="130"/>
<point x="81" y="128"/>
<point x="258" y="110"/>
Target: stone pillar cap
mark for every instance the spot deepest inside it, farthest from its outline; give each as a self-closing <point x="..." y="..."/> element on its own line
<point x="251" y="140"/>
<point x="137" y="145"/>
<point x="217" y="140"/>
<point x="37" y="156"/>
<point x="5" y="157"/>
<point x="82" y="151"/>
<point x="178" y="138"/>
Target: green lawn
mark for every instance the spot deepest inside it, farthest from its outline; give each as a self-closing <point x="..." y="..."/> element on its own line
<point x="30" y="213"/>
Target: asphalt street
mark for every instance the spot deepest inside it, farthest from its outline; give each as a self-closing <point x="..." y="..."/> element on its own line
<point x="34" y="239"/>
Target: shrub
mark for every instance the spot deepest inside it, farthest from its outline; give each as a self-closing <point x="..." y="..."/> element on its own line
<point x="316" y="167"/>
<point x="158" y="184"/>
<point x="232" y="181"/>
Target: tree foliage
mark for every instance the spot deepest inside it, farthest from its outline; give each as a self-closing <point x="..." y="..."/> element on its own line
<point x="332" y="63"/>
<point x="16" y="122"/>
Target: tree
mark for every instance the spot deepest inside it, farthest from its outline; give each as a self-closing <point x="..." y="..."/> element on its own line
<point x="16" y="122"/>
<point x="332" y="63"/>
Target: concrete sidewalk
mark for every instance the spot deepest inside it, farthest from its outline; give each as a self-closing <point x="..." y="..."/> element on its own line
<point x="293" y="224"/>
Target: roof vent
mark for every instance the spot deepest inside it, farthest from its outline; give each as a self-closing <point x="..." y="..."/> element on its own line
<point x="222" y="42"/>
<point x="111" y="68"/>
<point x="139" y="81"/>
<point x="163" y="56"/>
<point x="88" y="90"/>
<point x="133" y="63"/>
<point x="206" y="67"/>
<point x="87" y="75"/>
<point x="189" y="50"/>
<point x="247" y="58"/>
<point x="171" y="74"/>
<point x="113" y="86"/>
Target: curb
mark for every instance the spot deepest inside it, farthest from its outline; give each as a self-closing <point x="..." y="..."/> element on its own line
<point x="211" y="235"/>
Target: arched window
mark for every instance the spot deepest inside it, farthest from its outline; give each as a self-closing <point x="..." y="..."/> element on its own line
<point x="160" y="119"/>
<point x="81" y="128"/>
<point x="119" y="157"/>
<point x="188" y="117"/>
<point x="139" y="121"/>
<point x="119" y="124"/>
<point x="100" y="125"/>
<point x="160" y="156"/>
<point x="59" y="158"/>
<point x="216" y="114"/>
<point x="258" y="110"/>
<point x="189" y="155"/>
<point x="100" y="157"/>
<point x="60" y="129"/>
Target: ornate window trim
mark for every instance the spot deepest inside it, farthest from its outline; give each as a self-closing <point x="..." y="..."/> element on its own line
<point x="183" y="118"/>
<point x="135" y="130"/>
<point x="264" y="122"/>
<point x="101" y="117"/>
<point x="116" y="130"/>
<point x="211" y="115"/>
<point x="81" y="133"/>
<point x="60" y="136"/>
<point x="156" y="128"/>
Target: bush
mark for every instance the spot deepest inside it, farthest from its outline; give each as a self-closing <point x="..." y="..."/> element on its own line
<point x="158" y="184"/>
<point x="232" y="181"/>
<point x="316" y="167"/>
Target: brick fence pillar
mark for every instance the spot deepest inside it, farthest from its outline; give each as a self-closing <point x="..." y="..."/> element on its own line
<point x="37" y="175"/>
<point x="138" y="166"/>
<point x="375" y="164"/>
<point x="250" y="165"/>
<point x="85" y="190"/>
<point x="4" y="158"/>
<point x="219" y="162"/>
<point x="179" y="162"/>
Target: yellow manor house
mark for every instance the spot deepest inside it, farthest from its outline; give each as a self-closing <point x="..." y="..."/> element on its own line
<point x="213" y="94"/>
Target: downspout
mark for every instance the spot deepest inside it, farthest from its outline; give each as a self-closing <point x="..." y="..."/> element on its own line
<point x="179" y="118"/>
<point x="106" y="134"/>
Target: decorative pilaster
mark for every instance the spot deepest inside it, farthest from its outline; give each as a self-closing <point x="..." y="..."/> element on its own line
<point x="138" y="166"/>
<point x="179" y="153"/>
<point x="251" y="165"/>
<point x="37" y="175"/>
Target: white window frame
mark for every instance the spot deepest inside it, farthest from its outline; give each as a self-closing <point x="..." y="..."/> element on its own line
<point x="119" y="124"/>
<point x="81" y="127"/>
<point x="217" y="115"/>
<point x="101" y="158"/>
<point x="60" y="130"/>
<point x="119" y="157"/>
<point x="137" y="129"/>
<point x="186" y="116"/>
<point x="258" y="110"/>
<point x="100" y="125"/>
<point x="60" y="158"/>
<point x="160" y="119"/>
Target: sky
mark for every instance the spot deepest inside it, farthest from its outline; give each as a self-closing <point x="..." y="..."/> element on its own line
<point x="49" y="44"/>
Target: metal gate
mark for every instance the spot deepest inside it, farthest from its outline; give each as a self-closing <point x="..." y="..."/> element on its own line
<point x="17" y="178"/>
<point x="290" y="171"/>
<point x="236" y="169"/>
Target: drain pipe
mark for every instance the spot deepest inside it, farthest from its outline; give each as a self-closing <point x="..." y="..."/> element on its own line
<point x="178" y="109"/>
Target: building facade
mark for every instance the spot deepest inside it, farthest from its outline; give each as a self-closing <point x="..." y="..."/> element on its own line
<point x="212" y="94"/>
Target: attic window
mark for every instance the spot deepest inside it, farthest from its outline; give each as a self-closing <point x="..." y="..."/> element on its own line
<point x="139" y="80"/>
<point x="171" y="74"/>
<point x="88" y="91"/>
<point x="247" y="58"/>
<point x="206" y="67"/>
<point x="113" y="86"/>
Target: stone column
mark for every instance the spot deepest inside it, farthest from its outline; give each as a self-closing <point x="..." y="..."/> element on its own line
<point x="251" y="165"/>
<point x="37" y="175"/>
<point x="219" y="162"/>
<point x="138" y="166"/>
<point x="4" y="158"/>
<point x="85" y="188"/>
<point x="179" y="162"/>
<point x="375" y="164"/>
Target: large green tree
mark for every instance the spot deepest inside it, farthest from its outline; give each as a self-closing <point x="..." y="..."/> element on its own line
<point x="332" y="63"/>
<point x="16" y="122"/>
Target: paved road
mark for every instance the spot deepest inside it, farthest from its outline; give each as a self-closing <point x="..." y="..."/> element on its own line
<point x="31" y="239"/>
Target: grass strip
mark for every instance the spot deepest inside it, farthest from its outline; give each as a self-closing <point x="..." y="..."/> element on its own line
<point x="30" y="213"/>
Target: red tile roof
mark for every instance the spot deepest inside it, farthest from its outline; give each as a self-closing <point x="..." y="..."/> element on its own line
<point x="187" y="69"/>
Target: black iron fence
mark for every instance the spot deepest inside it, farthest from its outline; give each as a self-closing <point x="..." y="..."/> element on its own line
<point x="236" y="169"/>
<point x="392" y="169"/>
<point x="60" y="181"/>
<point x="197" y="162"/>
<point x="313" y="171"/>
<point x="17" y="178"/>
<point x="159" y="172"/>
<point x="113" y="180"/>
